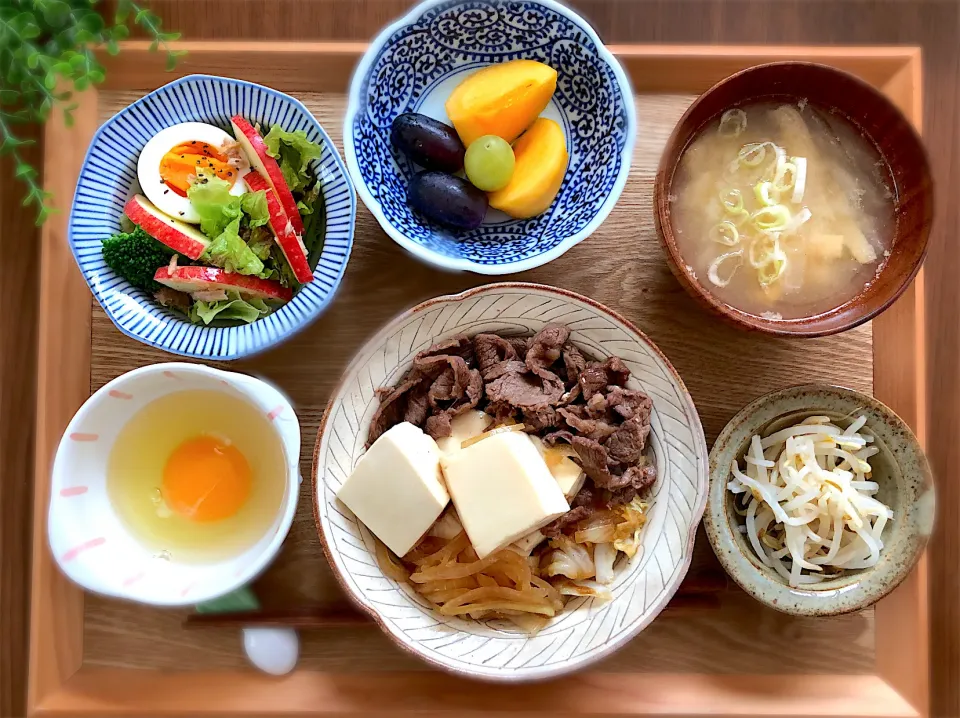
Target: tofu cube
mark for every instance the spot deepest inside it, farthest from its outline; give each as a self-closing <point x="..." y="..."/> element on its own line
<point x="396" y="489"/>
<point x="502" y="489"/>
<point x="566" y="471"/>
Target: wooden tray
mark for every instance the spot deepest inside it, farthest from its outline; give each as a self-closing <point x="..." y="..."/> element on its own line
<point x="713" y="651"/>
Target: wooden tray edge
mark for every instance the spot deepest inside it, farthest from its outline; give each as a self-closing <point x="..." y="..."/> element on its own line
<point x="58" y="684"/>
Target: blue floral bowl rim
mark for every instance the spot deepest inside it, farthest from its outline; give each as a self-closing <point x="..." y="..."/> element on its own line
<point x="455" y="263"/>
<point x="253" y="347"/>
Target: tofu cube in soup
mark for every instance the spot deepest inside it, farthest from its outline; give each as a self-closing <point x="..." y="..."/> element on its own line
<point x="502" y="490"/>
<point x="397" y="489"/>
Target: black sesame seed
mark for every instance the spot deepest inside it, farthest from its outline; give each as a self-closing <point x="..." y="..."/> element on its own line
<point x="166" y="191"/>
<point x="181" y="214"/>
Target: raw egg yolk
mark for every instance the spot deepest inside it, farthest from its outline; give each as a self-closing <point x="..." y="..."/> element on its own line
<point x="206" y="479"/>
<point x="190" y="159"/>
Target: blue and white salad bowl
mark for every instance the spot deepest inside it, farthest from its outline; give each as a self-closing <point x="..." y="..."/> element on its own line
<point x="109" y="177"/>
<point x="415" y="64"/>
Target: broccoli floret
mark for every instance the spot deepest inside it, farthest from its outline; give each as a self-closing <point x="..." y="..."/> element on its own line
<point x="136" y="256"/>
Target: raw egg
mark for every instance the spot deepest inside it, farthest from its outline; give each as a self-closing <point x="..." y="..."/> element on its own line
<point x="173" y="157"/>
<point x="206" y="479"/>
<point x="198" y="475"/>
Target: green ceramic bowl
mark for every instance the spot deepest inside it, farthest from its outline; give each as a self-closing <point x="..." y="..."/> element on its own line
<point x="900" y="468"/>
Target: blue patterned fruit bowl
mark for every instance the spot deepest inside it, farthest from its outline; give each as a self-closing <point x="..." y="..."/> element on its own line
<point x="415" y="64"/>
<point x="109" y="179"/>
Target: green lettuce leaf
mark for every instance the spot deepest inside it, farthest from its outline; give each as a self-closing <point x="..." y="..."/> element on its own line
<point x="260" y="241"/>
<point x="217" y="208"/>
<point x="294" y="152"/>
<point x="254" y="205"/>
<point x="308" y="201"/>
<point x="233" y="307"/>
<point x="230" y="252"/>
<point x="315" y="227"/>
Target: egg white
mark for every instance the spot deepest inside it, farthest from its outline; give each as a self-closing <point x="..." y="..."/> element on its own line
<point x="148" y="167"/>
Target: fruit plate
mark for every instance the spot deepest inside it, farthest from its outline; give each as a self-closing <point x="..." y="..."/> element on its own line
<point x="713" y="650"/>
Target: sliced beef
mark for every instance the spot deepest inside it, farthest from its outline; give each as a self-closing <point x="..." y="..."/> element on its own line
<point x="393" y="406"/>
<point x="556" y="527"/>
<point x="593" y="459"/>
<point x="438" y="425"/>
<point x="441" y="391"/>
<point x="505" y="367"/>
<point x="593" y="380"/>
<point x="598" y="376"/>
<point x="546" y="346"/>
<point x="520" y="345"/>
<point x="595" y="429"/>
<point x="472" y="395"/>
<point x="523" y="391"/>
<point x="573" y="361"/>
<point x="491" y="350"/>
<point x="418" y="405"/>
<point x="597" y="406"/>
<point x="501" y="411"/>
<point x="630" y="403"/>
<point x="585" y="497"/>
<point x="557" y="437"/>
<point x="459" y="345"/>
<point x="625" y="445"/>
<point x="433" y="366"/>
<point x="540" y="419"/>
<point x="639" y="479"/>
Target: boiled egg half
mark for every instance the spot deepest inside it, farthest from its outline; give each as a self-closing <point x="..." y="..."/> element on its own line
<point x="174" y="157"/>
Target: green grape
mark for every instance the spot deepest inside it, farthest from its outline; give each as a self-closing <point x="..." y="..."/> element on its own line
<point x="489" y="163"/>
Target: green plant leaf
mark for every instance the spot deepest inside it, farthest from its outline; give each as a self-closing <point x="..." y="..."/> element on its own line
<point x="243" y="599"/>
<point x="46" y="43"/>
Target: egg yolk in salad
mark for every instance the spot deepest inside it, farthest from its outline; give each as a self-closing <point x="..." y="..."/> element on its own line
<point x="206" y="479"/>
<point x="190" y="159"/>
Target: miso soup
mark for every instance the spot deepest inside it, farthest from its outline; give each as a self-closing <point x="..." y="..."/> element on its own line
<point x="783" y="210"/>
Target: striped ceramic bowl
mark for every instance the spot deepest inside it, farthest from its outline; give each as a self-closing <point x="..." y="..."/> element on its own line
<point x="587" y="629"/>
<point x="109" y="177"/>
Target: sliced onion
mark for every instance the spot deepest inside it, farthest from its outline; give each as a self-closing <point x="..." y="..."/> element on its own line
<point x="493" y="432"/>
<point x="713" y="273"/>
<point x="732" y="123"/>
<point x="725" y="233"/>
<point x="800" y="182"/>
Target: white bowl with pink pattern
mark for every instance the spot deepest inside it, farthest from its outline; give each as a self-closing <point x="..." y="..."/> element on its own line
<point x="88" y="539"/>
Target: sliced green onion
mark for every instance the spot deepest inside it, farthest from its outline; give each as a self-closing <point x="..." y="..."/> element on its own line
<point x="751" y="155"/>
<point x="725" y="233"/>
<point x="771" y="219"/>
<point x="766" y="193"/>
<point x="780" y="157"/>
<point x="732" y="123"/>
<point x="798" y="219"/>
<point x="773" y="270"/>
<point x="800" y="181"/>
<point x="732" y="201"/>
<point x="713" y="272"/>
<point x="740" y="218"/>
<point x="786" y="177"/>
<point x="762" y="250"/>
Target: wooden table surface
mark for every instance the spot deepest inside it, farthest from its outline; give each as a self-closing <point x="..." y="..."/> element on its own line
<point x="932" y="24"/>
